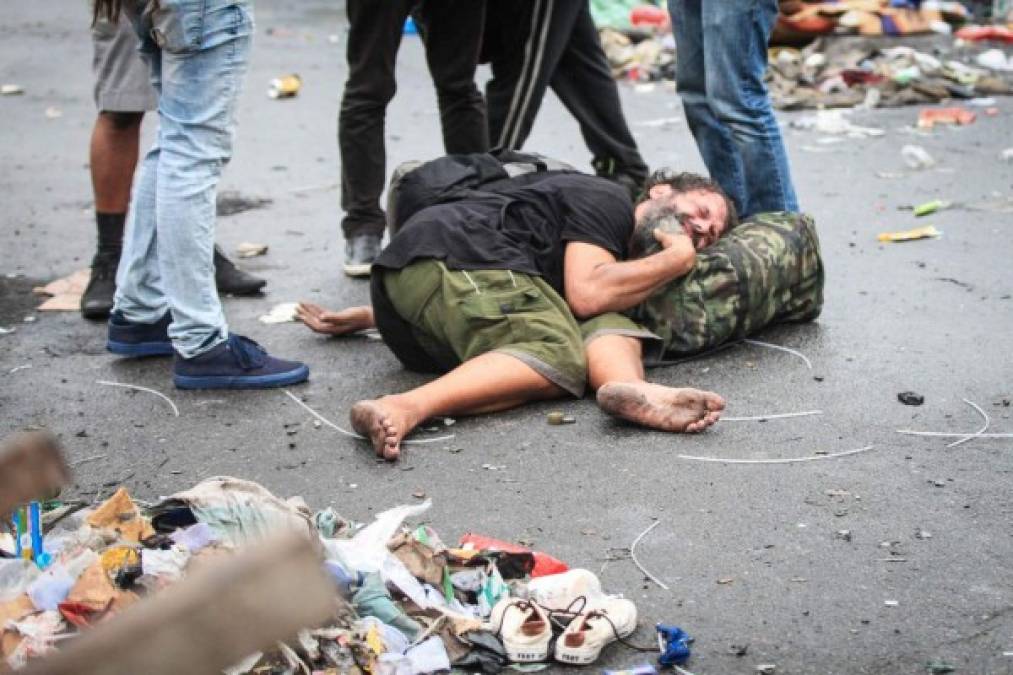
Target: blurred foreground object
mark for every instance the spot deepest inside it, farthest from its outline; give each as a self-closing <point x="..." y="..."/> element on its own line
<point x="31" y="468"/>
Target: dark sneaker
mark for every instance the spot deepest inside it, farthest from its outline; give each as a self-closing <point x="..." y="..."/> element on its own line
<point x="609" y="168"/>
<point x="128" y="338"/>
<point x="360" y="254"/>
<point x="97" y="301"/>
<point x="237" y="363"/>
<point x="233" y="281"/>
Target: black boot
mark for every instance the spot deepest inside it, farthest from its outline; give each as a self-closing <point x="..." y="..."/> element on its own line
<point x="233" y="281"/>
<point x="97" y="301"/>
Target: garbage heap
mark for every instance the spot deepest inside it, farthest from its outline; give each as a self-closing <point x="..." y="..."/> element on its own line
<point x="409" y="603"/>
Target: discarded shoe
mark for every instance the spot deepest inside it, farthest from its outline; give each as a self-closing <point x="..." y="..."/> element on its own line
<point x="237" y="363"/>
<point x="129" y="338"/>
<point x="360" y="253"/>
<point x="582" y="641"/>
<point x="524" y="628"/>
<point x="97" y="300"/>
<point x="233" y="281"/>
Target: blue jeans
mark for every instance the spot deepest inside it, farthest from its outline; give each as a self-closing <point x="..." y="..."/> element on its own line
<point x="721" y="49"/>
<point x="198" y="52"/>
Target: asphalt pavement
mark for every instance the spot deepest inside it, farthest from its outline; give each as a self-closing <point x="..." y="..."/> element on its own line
<point x="881" y="561"/>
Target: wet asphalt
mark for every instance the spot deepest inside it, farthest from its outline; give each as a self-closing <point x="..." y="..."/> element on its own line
<point x="882" y="561"/>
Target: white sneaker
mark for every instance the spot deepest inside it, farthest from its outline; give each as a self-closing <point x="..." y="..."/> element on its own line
<point x="524" y="628"/>
<point x="559" y="591"/>
<point x="582" y="641"/>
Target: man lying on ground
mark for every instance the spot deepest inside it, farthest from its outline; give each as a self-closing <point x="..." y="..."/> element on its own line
<point x="475" y="287"/>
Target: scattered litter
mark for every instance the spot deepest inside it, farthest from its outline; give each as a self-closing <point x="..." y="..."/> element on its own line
<point x="979" y="432"/>
<point x="250" y="250"/>
<point x="661" y="122"/>
<point x="53" y="113"/>
<point x="931" y="207"/>
<point x="674" y="643"/>
<point x="891" y="603"/>
<point x="558" y="418"/>
<point x="135" y="387"/>
<point x="725" y="460"/>
<point x="994" y="59"/>
<point x="768" y="345"/>
<point x="1006" y="155"/>
<point x="286" y="86"/>
<point x="79" y="462"/>
<point x="764" y="418"/>
<point x="766" y="668"/>
<point x="843" y="534"/>
<point x="352" y="434"/>
<point x="633" y="556"/>
<point x="7" y="331"/>
<point x="835" y="122"/>
<point x="930" y="117"/>
<point x="16" y="369"/>
<point x="65" y="293"/>
<point x="231" y="202"/>
<point x="725" y="580"/>
<point x="910" y="398"/>
<point x="927" y="232"/>
<point x="281" y="313"/>
<point x="11" y="90"/>
<point x="917" y="157"/>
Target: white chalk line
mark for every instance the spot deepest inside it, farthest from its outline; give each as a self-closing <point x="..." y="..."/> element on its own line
<point x="980" y="431"/>
<point x="137" y="387"/>
<point x="793" y="460"/>
<point x="633" y="555"/>
<point x="768" y="345"/>
<point x="778" y="416"/>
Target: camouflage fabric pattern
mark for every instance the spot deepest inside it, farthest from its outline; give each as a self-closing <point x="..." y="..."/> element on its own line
<point x="767" y="270"/>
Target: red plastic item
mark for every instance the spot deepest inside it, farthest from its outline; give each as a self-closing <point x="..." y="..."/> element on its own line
<point x="980" y="33"/>
<point x="544" y="564"/>
<point x="649" y="16"/>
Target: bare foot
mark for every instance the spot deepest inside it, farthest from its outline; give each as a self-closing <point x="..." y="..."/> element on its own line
<point x="658" y="407"/>
<point x="384" y="423"/>
<point x="335" y="323"/>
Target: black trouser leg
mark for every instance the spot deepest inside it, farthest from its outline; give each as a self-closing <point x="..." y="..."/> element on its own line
<point x="524" y="63"/>
<point x="452" y="30"/>
<point x="584" y="83"/>
<point x="373" y="39"/>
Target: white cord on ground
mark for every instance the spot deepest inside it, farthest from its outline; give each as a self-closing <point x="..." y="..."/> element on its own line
<point x="352" y="434"/>
<point x="723" y="460"/>
<point x="633" y="555"/>
<point x="947" y="434"/>
<point x="135" y="387"/>
<point x="802" y="356"/>
<point x="757" y="418"/>
<point x="979" y="432"/>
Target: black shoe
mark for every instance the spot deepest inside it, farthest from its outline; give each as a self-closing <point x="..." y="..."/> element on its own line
<point x="608" y="168"/>
<point x="360" y="254"/>
<point x="233" y="281"/>
<point x="97" y="301"/>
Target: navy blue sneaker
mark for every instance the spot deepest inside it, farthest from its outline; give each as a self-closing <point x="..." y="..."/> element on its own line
<point x="127" y="338"/>
<point x="237" y="363"/>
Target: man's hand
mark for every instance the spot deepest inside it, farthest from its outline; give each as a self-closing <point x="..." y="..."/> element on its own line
<point x="679" y="241"/>
<point x="335" y="323"/>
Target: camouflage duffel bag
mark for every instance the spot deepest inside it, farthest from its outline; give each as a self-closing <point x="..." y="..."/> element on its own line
<point x="767" y="270"/>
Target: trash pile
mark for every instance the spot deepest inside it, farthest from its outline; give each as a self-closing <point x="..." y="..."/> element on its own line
<point x="406" y="603"/>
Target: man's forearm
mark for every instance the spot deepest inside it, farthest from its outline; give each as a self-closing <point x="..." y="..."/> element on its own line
<point x="618" y="286"/>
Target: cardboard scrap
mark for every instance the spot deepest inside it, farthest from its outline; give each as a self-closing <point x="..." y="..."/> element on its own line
<point x="927" y="232"/>
<point x="65" y="294"/>
<point x="250" y="250"/>
<point x="121" y="515"/>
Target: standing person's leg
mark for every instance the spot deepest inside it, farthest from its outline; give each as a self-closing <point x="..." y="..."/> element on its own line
<point x="735" y="37"/>
<point x="452" y="31"/>
<point x="713" y="139"/>
<point x="517" y="89"/>
<point x="375" y="29"/>
<point x="123" y="92"/>
<point x="586" y="87"/>
<point x="198" y="69"/>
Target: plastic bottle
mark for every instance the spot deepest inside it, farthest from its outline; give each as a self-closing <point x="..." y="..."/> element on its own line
<point x="917" y="157"/>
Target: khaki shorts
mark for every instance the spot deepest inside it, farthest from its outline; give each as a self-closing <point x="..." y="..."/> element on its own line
<point x="122" y="77"/>
<point x="457" y="315"/>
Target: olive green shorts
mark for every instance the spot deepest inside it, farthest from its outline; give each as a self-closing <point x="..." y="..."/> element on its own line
<point x="457" y="315"/>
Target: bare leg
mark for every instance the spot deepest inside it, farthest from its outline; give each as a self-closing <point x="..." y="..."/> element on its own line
<point x="616" y="371"/>
<point x="115" y="142"/>
<point x="487" y="383"/>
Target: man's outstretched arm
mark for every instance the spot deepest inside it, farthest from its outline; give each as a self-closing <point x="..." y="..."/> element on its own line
<point x="595" y="282"/>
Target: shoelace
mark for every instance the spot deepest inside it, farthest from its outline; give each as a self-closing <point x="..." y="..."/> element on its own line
<point x="248" y="353"/>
